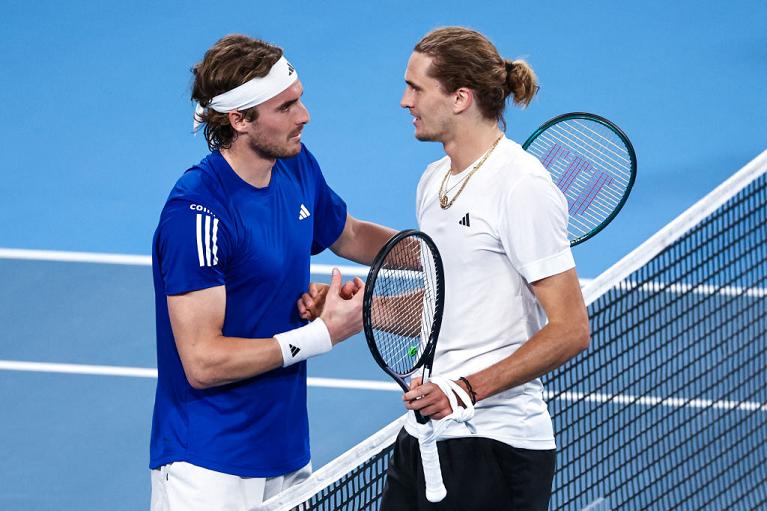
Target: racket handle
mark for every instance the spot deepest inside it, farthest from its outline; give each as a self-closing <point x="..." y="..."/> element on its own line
<point x="432" y="472"/>
<point x="420" y="418"/>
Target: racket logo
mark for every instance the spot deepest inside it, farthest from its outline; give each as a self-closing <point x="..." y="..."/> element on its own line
<point x="593" y="164"/>
<point x="555" y="153"/>
<point x="576" y="167"/>
<point x="581" y="203"/>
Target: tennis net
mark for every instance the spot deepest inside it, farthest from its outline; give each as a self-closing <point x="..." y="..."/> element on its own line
<point x="668" y="407"/>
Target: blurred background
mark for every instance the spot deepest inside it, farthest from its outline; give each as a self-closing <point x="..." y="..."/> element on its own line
<point x="97" y="126"/>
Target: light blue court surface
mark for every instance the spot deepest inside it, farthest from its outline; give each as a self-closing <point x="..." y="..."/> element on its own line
<point x="97" y="127"/>
<point x="84" y="437"/>
<point x="97" y="119"/>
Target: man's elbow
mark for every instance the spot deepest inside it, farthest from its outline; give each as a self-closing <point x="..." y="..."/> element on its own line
<point x="199" y="383"/>
<point x="200" y="372"/>
<point x="582" y="337"/>
<point x="199" y="378"/>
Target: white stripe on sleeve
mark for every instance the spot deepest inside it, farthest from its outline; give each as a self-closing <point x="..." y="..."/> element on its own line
<point x="207" y="240"/>
<point x="215" y="241"/>
<point x="199" y="239"/>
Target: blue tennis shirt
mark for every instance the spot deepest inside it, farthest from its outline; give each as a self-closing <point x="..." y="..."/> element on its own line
<point x="216" y="229"/>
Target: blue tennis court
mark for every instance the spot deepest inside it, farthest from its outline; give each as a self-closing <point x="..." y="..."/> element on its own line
<point x="78" y="392"/>
<point x="85" y="436"/>
<point x="98" y="127"/>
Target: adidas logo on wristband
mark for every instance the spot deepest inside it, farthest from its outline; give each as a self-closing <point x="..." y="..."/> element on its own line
<point x="304" y="342"/>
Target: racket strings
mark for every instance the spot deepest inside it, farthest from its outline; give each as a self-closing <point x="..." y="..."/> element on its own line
<point x="596" y="136"/>
<point x="592" y="166"/>
<point x="592" y="149"/>
<point x="403" y="306"/>
<point x="590" y="156"/>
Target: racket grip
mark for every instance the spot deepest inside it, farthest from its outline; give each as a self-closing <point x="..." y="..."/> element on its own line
<point x="432" y="472"/>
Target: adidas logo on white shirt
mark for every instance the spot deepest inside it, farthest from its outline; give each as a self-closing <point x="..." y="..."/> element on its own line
<point x="465" y="220"/>
<point x="304" y="213"/>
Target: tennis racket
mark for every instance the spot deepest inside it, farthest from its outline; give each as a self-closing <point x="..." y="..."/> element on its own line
<point x="401" y="316"/>
<point x="594" y="164"/>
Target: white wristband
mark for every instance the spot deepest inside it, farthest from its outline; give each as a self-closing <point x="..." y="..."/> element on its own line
<point x="304" y="342"/>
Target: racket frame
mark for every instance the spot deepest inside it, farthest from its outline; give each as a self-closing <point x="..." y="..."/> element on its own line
<point x="629" y="147"/>
<point x="427" y="357"/>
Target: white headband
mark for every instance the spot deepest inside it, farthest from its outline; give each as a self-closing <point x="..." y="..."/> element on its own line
<point x="251" y="93"/>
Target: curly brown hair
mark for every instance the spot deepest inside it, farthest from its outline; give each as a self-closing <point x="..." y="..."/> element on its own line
<point x="462" y="57"/>
<point x="229" y="63"/>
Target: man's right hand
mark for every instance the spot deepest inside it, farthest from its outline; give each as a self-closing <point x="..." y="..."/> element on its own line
<point x="340" y="307"/>
<point x="311" y="303"/>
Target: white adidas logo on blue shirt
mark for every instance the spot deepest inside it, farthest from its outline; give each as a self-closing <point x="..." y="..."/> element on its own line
<point x="304" y="213"/>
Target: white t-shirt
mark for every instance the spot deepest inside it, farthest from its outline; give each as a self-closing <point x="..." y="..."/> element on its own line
<point x="507" y="228"/>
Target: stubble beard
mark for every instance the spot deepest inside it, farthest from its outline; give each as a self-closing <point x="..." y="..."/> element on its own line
<point x="427" y="138"/>
<point x="436" y="135"/>
<point x="270" y="150"/>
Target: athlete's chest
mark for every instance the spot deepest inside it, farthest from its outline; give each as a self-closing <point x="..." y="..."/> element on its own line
<point x="469" y="227"/>
<point x="274" y="230"/>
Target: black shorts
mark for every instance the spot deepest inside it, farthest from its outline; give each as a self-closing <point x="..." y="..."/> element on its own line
<point x="479" y="474"/>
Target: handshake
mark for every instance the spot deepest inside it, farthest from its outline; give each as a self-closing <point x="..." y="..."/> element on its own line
<point x="338" y="305"/>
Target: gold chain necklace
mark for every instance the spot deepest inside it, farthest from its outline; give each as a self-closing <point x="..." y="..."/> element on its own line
<point x="444" y="203"/>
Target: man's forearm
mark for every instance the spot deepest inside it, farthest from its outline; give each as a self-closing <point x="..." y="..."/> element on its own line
<point x="214" y="360"/>
<point x="363" y="241"/>
<point x="548" y="349"/>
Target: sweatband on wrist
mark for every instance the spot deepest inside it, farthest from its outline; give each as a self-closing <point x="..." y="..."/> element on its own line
<point x="304" y="342"/>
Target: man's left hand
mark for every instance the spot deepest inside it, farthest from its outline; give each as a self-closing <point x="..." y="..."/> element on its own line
<point x="428" y="399"/>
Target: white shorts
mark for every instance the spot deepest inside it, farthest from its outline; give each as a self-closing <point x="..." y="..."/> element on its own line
<point x="181" y="486"/>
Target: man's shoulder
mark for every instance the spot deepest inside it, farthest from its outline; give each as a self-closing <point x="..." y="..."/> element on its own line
<point x="519" y="168"/>
<point x="199" y="178"/>
<point x="198" y="189"/>
<point x="524" y="163"/>
<point x="442" y="163"/>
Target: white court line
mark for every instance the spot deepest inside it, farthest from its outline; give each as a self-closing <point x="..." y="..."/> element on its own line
<point x="74" y="257"/>
<point x="144" y="260"/>
<point x="139" y="260"/>
<point x="338" y="383"/>
<point x="671" y="402"/>
<point x="599" y="504"/>
<point x="706" y="289"/>
<point x="46" y="367"/>
<point x="342" y="383"/>
<point x="145" y="372"/>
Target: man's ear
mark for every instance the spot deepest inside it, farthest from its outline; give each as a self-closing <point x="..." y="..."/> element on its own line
<point x="463" y="98"/>
<point x="237" y="120"/>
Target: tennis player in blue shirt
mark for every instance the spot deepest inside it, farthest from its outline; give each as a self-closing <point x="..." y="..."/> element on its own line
<point x="230" y="259"/>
